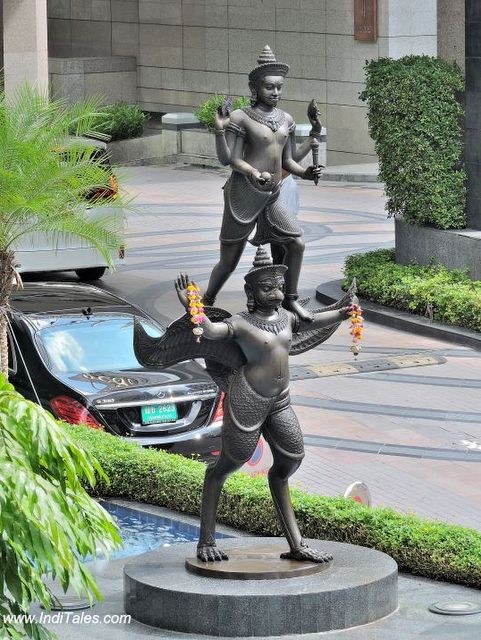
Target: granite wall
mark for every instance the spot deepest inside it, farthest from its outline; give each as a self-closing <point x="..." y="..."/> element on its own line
<point x="188" y="49"/>
<point x="473" y="112"/>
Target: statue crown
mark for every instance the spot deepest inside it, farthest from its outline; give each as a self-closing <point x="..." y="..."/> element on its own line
<point x="267" y="64"/>
<point x="263" y="266"/>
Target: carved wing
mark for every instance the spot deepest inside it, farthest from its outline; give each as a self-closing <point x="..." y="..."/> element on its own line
<point x="309" y="339"/>
<point x="179" y="343"/>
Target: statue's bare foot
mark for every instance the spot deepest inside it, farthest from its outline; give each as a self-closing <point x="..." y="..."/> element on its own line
<point x="210" y="553"/>
<point x="306" y="554"/>
<point x="296" y="307"/>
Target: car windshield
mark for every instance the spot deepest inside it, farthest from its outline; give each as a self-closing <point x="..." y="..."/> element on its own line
<point x="96" y="343"/>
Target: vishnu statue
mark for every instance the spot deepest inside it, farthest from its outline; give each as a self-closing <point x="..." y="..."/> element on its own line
<point x="258" y="142"/>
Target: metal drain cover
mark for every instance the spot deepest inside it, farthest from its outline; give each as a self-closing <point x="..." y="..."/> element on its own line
<point x="452" y="608"/>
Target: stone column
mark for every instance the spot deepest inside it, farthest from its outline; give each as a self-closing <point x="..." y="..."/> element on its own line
<point x="25" y="54"/>
<point x="451" y="20"/>
<point x="473" y="111"/>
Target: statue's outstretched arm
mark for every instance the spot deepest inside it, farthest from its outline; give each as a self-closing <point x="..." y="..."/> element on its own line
<point x="324" y="318"/>
<point x="308" y="335"/>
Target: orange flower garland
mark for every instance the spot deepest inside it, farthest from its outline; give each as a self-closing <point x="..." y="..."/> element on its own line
<point x="196" y="310"/>
<point x="357" y="325"/>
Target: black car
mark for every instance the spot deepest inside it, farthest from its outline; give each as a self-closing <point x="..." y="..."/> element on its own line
<point x="71" y="349"/>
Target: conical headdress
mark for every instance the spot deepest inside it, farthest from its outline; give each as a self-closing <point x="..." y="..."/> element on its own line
<point x="267" y="64"/>
<point x="263" y="266"/>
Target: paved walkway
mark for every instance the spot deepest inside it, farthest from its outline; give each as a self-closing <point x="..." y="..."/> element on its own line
<point x="176" y="228"/>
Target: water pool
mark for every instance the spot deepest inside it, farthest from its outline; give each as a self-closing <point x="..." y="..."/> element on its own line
<point x="143" y="531"/>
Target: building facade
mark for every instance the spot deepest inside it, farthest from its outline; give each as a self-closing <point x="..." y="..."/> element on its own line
<point x="171" y="55"/>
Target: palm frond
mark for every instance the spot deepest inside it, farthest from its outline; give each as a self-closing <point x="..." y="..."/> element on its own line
<point x="46" y="174"/>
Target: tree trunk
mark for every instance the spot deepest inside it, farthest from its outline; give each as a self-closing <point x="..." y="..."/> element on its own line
<point x="7" y="280"/>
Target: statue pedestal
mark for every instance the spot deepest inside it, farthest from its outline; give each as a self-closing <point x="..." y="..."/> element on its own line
<point x="357" y="587"/>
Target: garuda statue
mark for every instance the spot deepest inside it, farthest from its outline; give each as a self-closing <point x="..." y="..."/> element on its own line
<point x="248" y="356"/>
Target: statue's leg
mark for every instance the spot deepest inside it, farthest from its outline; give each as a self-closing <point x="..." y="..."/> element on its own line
<point x="237" y="448"/>
<point x="293" y="260"/>
<point x="230" y="254"/>
<point x="284" y="435"/>
<point x="278" y="253"/>
<point x="215" y="477"/>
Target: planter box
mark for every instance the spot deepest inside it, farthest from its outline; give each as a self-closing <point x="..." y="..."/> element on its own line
<point x="152" y="148"/>
<point x="455" y="248"/>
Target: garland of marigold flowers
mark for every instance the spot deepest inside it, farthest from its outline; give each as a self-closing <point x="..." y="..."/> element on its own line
<point x="357" y="326"/>
<point x="196" y="310"/>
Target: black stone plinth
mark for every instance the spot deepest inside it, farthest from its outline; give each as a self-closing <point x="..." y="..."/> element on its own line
<point x="256" y="562"/>
<point x="360" y="586"/>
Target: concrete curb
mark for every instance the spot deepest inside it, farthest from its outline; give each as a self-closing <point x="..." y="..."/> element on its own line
<point x="329" y="292"/>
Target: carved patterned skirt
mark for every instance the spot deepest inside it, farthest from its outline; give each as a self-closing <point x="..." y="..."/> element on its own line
<point x="245" y="206"/>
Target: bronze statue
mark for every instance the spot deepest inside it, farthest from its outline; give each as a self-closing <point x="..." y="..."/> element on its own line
<point x="253" y="349"/>
<point x="259" y="144"/>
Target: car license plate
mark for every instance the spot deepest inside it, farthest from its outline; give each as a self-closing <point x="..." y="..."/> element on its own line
<point x="155" y="413"/>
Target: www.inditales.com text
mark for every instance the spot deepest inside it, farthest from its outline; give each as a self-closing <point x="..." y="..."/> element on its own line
<point x="67" y="617"/>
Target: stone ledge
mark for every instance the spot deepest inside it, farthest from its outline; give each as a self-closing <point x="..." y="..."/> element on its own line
<point x="454" y="248"/>
<point x="63" y="66"/>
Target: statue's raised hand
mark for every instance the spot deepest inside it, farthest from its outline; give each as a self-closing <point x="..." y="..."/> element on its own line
<point x="222" y="114"/>
<point x="220" y="120"/>
<point x="181" y="284"/>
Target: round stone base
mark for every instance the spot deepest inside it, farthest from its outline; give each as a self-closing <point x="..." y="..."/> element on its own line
<point x="256" y="562"/>
<point x="359" y="586"/>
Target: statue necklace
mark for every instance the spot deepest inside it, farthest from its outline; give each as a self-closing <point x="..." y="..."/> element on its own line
<point x="274" y="326"/>
<point x="274" y="120"/>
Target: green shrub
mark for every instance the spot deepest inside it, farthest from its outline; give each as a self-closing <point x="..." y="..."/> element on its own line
<point x="450" y="296"/>
<point x="206" y="111"/>
<point x="122" y="121"/>
<point x="48" y="522"/>
<point x="431" y="549"/>
<point x="414" y="118"/>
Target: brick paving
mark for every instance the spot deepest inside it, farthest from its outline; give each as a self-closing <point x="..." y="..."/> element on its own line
<point x="175" y="227"/>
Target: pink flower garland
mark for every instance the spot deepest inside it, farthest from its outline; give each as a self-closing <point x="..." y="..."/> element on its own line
<point x="196" y="310"/>
<point x="357" y="326"/>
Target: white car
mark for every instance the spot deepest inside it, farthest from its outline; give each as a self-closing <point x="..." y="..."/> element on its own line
<point x="39" y="252"/>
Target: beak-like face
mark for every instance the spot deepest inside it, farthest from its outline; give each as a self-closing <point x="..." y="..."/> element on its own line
<point x="269" y="292"/>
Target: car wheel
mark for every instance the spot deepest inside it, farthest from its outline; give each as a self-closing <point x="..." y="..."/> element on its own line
<point x="94" y="273"/>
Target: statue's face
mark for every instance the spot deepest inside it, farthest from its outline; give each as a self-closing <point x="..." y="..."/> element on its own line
<point x="269" y="89"/>
<point x="269" y="292"/>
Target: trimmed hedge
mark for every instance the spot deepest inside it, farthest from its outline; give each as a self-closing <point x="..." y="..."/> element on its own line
<point x="425" y="548"/>
<point x="415" y="120"/>
<point x="446" y="296"/>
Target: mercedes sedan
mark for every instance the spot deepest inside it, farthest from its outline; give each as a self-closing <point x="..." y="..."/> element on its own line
<point x="71" y="350"/>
